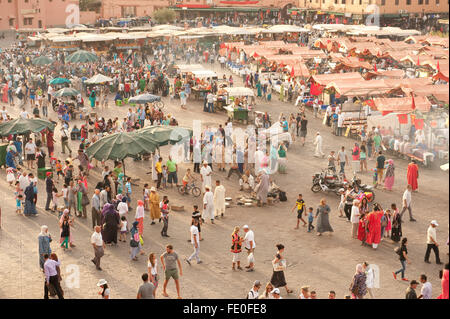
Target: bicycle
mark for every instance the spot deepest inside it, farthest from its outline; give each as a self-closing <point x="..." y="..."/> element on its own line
<point x="194" y="190"/>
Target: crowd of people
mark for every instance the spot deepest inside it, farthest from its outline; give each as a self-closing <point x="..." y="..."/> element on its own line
<point x="254" y="163"/>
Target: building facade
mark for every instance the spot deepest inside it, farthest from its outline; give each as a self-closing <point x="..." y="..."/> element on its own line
<point x="131" y="8"/>
<point x="384" y="6"/>
<point x="401" y="13"/>
<point x="19" y="14"/>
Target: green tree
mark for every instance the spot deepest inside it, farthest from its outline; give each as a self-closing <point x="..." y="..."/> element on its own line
<point x="164" y="15"/>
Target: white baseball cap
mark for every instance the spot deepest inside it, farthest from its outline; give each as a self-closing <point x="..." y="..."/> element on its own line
<point x="434" y="222"/>
<point x="245" y="227"/>
<point x="275" y="291"/>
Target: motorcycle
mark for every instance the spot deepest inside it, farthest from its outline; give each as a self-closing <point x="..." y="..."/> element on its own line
<point x="366" y="189"/>
<point x="327" y="181"/>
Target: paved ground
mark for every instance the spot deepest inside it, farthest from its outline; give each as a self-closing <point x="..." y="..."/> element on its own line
<point x="325" y="263"/>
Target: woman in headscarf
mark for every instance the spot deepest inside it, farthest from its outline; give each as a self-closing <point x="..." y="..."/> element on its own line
<point x="30" y="200"/>
<point x="358" y="286"/>
<point x="120" y="183"/>
<point x="292" y="126"/>
<point x="323" y="219"/>
<point x="282" y="158"/>
<point x="389" y="175"/>
<point x="259" y="88"/>
<point x="44" y="239"/>
<point x="140" y="217"/>
<point x="61" y="221"/>
<point x="273" y="159"/>
<point x="262" y="188"/>
<point x="10" y="159"/>
<point x="135" y="243"/>
<point x="396" y="232"/>
<point x="110" y="222"/>
<point x="92" y="98"/>
<point x="83" y="200"/>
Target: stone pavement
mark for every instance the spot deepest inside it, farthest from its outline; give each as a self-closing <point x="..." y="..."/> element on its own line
<point x="325" y="263"/>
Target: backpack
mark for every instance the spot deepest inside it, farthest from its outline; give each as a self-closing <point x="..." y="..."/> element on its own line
<point x="398" y="250"/>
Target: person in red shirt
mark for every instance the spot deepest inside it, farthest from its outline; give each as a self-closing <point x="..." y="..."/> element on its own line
<point x="50" y="141"/>
<point x="127" y="90"/>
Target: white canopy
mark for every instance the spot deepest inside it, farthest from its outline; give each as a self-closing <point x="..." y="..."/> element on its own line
<point x="282" y="28"/>
<point x="239" y="91"/>
<point x="189" y="67"/>
<point x="98" y="79"/>
<point x="202" y="74"/>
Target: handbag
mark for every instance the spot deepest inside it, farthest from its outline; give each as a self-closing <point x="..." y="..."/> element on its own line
<point x="133" y="243"/>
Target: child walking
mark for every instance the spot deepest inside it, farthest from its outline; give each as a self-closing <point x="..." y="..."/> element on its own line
<point x="299" y="204"/>
<point x="19" y="206"/>
<point x="59" y="169"/>
<point x="164" y="176"/>
<point x="65" y="193"/>
<point x="146" y="197"/>
<point x="55" y="198"/>
<point x="310" y="219"/>
<point x="123" y="229"/>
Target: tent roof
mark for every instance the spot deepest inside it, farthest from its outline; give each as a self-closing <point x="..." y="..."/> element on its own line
<point x="324" y="79"/>
<point x="402" y="104"/>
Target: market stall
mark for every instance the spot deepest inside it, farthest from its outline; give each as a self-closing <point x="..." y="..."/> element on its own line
<point x="239" y="102"/>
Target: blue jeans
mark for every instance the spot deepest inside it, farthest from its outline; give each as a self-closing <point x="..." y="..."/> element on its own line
<point x="211" y="107"/>
<point x="402" y="270"/>
<point x="342" y="164"/>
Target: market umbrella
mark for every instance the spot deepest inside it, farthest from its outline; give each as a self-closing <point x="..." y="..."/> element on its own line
<point x="119" y="146"/>
<point x="66" y="92"/>
<point x="82" y="56"/>
<point x="144" y="98"/>
<point x="98" y="79"/>
<point x="23" y="126"/>
<point x="164" y="135"/>
<point x="59" y="81"/>
<point x="42" y="60"/>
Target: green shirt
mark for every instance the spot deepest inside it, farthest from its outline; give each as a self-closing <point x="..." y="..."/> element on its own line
<point x="171" y="166"/>
<point x="117" y="170"/>
<point x="377" y="140"/>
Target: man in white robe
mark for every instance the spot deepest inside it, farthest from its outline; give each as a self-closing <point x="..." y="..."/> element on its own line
<point x="205" y="174"/>
<point x="258" y="160"/>
<point x="155" y="158"/>
<point x="318" y="143"/>
<point x="208" y="205"/>
<point x="219" y="199"/>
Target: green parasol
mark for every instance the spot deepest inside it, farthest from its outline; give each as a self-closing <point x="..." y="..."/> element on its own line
<point x="119" y="146"/>
<point x="24" y="126"/>
<point x="42" y="60"/>
<point x="164" y="135"/>
<point x="82" y="56"/>
<point x="66" y="92"/>
<point x="59" y="81"/>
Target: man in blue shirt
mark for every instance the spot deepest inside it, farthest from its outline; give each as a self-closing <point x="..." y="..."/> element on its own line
<point x="285" y="125"/>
